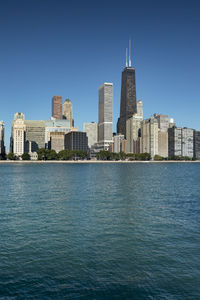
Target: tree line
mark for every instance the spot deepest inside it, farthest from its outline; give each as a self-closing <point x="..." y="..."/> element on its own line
<point x="45" y="154"/>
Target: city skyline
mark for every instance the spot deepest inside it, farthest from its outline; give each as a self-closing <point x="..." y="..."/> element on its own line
<point x="166" y="60"/>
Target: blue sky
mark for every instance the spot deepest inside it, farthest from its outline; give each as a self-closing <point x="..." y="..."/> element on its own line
<point x="52" y="48"/>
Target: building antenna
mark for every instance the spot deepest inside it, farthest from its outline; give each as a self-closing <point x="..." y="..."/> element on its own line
<point x="129" y="52"/>
<point x="126" y="57"/>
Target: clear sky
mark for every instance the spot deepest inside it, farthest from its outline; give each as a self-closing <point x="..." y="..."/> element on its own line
<point x="70" y="48"/>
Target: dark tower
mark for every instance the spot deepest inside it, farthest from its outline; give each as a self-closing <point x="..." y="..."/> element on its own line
<point x="128" y="105"/>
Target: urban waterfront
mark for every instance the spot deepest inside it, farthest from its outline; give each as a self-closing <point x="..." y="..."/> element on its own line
<point x="100" y="231"/>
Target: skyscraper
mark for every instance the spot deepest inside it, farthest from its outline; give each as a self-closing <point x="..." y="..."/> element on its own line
<point x="67" y="111"/>
<point x="57" y="107"/>
<point x="163" y="125"/>
<point x="197" y="144"/>
<point x="149" y="136"/>
<point x="2" y="147"/>
<point x="181" y="142"/>
<point x="18" y="134"/>
<point x="133" y="130"/>
<point x="128" y="105"/>
<point x="91" y="131"/>
<point x="105" y="115"/>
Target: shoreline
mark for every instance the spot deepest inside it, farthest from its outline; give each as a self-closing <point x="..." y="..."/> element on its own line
<point x="93" y="161"/>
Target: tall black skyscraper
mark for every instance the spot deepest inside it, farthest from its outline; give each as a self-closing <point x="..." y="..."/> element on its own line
<point x="128" y="104"/>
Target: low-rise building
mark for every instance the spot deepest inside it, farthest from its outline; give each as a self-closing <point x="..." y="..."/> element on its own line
<point x="57" y="141"/>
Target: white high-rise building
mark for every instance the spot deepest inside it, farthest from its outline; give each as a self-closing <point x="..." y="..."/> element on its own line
<point x="91" y="130"/>
<point x="149" y="136"/>
<point x="105" y="124"/>
<point x="133" y="130"/>
<point x="187" y="142"/>
<point x="18" y="134"/>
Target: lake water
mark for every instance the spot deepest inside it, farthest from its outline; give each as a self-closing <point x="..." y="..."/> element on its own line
<point x="100" y="231"/>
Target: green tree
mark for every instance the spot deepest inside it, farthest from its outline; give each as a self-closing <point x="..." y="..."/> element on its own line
<point x="11" y="156"/>
<point x="122" y="155"/>
<point x="42" y="154"/>
<point x="144" y="156"/>
<point x="26" y="156"/>
<point x="158" y="158"/>
<point x="65" y="155"/>
<point x="104" y="155"/>
<point x="51" y="155"/>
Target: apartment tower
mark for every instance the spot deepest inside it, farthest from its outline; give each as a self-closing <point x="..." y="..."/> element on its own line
<point x="105" y="115"/>
<point x="67" y="111"/>
<point x="57" y="107"/>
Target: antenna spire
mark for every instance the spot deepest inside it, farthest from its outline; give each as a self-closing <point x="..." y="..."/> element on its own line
<point x="129" y="53"/>
<point x="126" y="57"/>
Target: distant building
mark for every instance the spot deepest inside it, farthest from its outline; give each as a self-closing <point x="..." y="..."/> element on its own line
<point x="163" y="122"/>
<point x="181" y="142"/>
<point x="149" y="136"/>
<point x="140" y="109"/>
<point x="172" y="123"/>
<point x="118" y="143"/>
<point x="105" y="116"/>
<point x="197" y="144"/>
<point x="76" y="140"/>
<point x="187" y="142"/>
<point x="57" y="107"/>
<point x="29" y="136"/>
<point x="18" y="134"/>
<point x="128" y="106"/>
<point x="57" y="141"/>
<point x="174" y="141"/>
<point x="34" y="135"/>
<point x="91" y="130"/>
<point x="163" y="125"/>
<point x="54" y="125"/>
<point x="67" y="111"/>
<point x="2" y="147"/>
<point x="133" y="131"/>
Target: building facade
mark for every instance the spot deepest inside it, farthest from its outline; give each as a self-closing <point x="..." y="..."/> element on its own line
<point x="2" y="146"/>
<point x="133" y="130"/>
<point x="54" y="125"/>
<point x="128" y="105"/>
<point x="149" y="137"/>
<point x="67" y="111"/>
<point x="76" y="140"/>
<point x="18" y="134"/>
<point x="181" y="142"/>
<point x="105" y="123"/>
<point x="34" y="135"/>
<point x="119" y="143"/>
<point x="57" y="107"/>
<point x="187" y="142"/>
<point x="91" y="130"/>
<point x="57" y="141"/>
<point x="140" y="109"/>
<point x="197" y="144"/>
<point x="163" y="125"/>
<point x="133" y="134"/>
